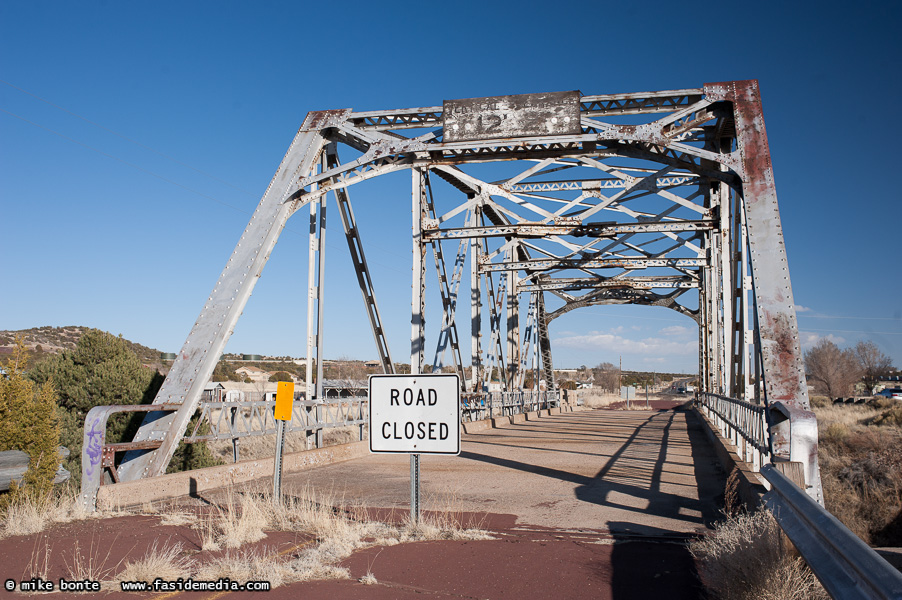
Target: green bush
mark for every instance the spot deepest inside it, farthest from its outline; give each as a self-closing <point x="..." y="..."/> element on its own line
<point x="29" y="423"/>
<point x="101" y="370"/>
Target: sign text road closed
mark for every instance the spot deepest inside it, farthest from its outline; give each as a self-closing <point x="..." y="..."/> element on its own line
<point x="415" y="414"/>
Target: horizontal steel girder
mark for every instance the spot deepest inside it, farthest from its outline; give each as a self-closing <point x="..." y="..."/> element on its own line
<point x="543" y="264"/>
<point x="635" y="283"/>
<point x="540" y="230"/>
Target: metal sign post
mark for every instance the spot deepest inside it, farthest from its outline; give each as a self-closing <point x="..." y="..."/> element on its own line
<point x="415" y="488"/>
<point x="282" y="413"/>
<point x="414" y="414"/>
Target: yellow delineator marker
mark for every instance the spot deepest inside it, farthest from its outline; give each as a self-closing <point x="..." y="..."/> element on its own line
<point x="281" y="413"/>
<point x="284" y="400"/>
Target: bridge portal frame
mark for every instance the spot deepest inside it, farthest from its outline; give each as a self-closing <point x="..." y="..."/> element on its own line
<point x="722" y="238"/>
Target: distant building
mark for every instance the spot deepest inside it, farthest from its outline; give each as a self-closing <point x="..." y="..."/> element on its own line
<point x="254" y="374"/>
<point x="234" y="391"/>
<point x="888" y="381"/>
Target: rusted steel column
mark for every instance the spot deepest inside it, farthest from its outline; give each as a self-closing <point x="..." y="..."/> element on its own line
<point x="794" y="432"/>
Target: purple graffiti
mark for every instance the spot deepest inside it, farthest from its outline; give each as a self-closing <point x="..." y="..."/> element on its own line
<point x="93" y="447"/>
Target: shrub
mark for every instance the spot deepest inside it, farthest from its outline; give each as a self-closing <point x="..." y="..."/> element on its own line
<point x="101" y="370"/>
<point x="891" y="417"/>
<point x="835" y="434"/>
<point x="820" y="401"/>
<point x="861" y="473"/>
<point x="29" y="423"/>
<point x="743" y="559"/>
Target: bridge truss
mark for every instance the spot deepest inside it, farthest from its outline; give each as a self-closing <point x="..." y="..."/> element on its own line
<point x="528" y="207"/>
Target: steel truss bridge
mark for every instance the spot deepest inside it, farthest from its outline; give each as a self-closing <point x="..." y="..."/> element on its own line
<point x="528" y="207"/>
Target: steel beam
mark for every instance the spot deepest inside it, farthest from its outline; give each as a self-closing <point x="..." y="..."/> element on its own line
<point x="205" y="343"/>
<point x="543" y="264"/>
<point x="364" y="279"/>
<point x="781" y="352"/>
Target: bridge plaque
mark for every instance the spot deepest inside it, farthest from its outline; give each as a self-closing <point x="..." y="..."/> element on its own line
<point x="523" y="115"/>
<point x="415" y="414"/>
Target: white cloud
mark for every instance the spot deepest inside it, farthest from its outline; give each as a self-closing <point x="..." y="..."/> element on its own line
<point x="611" y="342"/>
<point x="809" y="340"/>
<point x="675" y="331"/>
<point x="799" y="308"/>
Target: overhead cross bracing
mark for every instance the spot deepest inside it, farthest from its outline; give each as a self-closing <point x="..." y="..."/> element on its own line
<point x="549" y="202"/>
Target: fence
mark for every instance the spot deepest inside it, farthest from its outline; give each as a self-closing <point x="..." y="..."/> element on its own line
<point x="742" y="423"/>
<point x="475" y="407"/>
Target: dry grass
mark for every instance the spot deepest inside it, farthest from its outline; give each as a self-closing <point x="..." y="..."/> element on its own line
<point x="743" y="559"/>
<point x="166" y="563"/>
<point x="241" y="521"/>
<point x="860" y="455"/>
<point x="90" y="563"/>
<point x="256" y="447"/>
<point x="845" y="414"/>
<point x="342" y="435"/>
<point x="247" y="565"/>
<point x="592" y="398"/>
<point x="34" y="513"/>
<point x="39" y="566"/>
<point x="336" y="528"/>
<point x="264" y="446"/>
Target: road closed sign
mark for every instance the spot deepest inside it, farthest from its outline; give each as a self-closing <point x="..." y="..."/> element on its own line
<point x="415" y="414"/>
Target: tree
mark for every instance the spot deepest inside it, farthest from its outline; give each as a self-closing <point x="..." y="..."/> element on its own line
<point x="29" y="423"/>
<point x="874" y="363"/>
<point x="607" y="377"/>
<point x="832" y="371"/>
<point x="225" y="371"/>
<point x="101" y="370"/>
<point x="281" y="376"/>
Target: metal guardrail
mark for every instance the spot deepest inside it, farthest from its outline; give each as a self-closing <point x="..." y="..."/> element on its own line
<point x="844" y="564"/>
<point x="475" y="407"/>
<point x="14" y="464"/>
<point x="741" y="422"/>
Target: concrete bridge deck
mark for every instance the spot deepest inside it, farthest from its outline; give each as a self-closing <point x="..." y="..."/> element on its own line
<point x="626" y="472"/>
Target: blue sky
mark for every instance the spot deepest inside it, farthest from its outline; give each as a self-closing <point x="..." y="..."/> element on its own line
<point x="136" y="138"/>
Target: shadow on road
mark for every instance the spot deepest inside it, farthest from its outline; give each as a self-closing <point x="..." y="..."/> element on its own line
<point x="643" y="568"/>
<point x="635" y="476"/>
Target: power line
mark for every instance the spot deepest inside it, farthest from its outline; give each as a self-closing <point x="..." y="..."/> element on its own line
<point x="801" y="316"/>
<point x="854" y="331"/>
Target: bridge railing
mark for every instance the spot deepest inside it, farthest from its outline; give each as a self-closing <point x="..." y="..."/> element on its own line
<point x="741" y="422"/>
<point x="844" y="564"/>
<point x="484" y="405"/>
<point x="251" y="414"/>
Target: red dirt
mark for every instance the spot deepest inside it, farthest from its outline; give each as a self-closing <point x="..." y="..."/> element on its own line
<point x="520" y="563"/>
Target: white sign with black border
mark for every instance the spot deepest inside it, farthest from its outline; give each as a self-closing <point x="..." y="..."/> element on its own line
<point x="414" y="414"/>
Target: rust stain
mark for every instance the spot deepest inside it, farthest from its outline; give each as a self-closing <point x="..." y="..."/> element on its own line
<point x="317" y="119"/>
